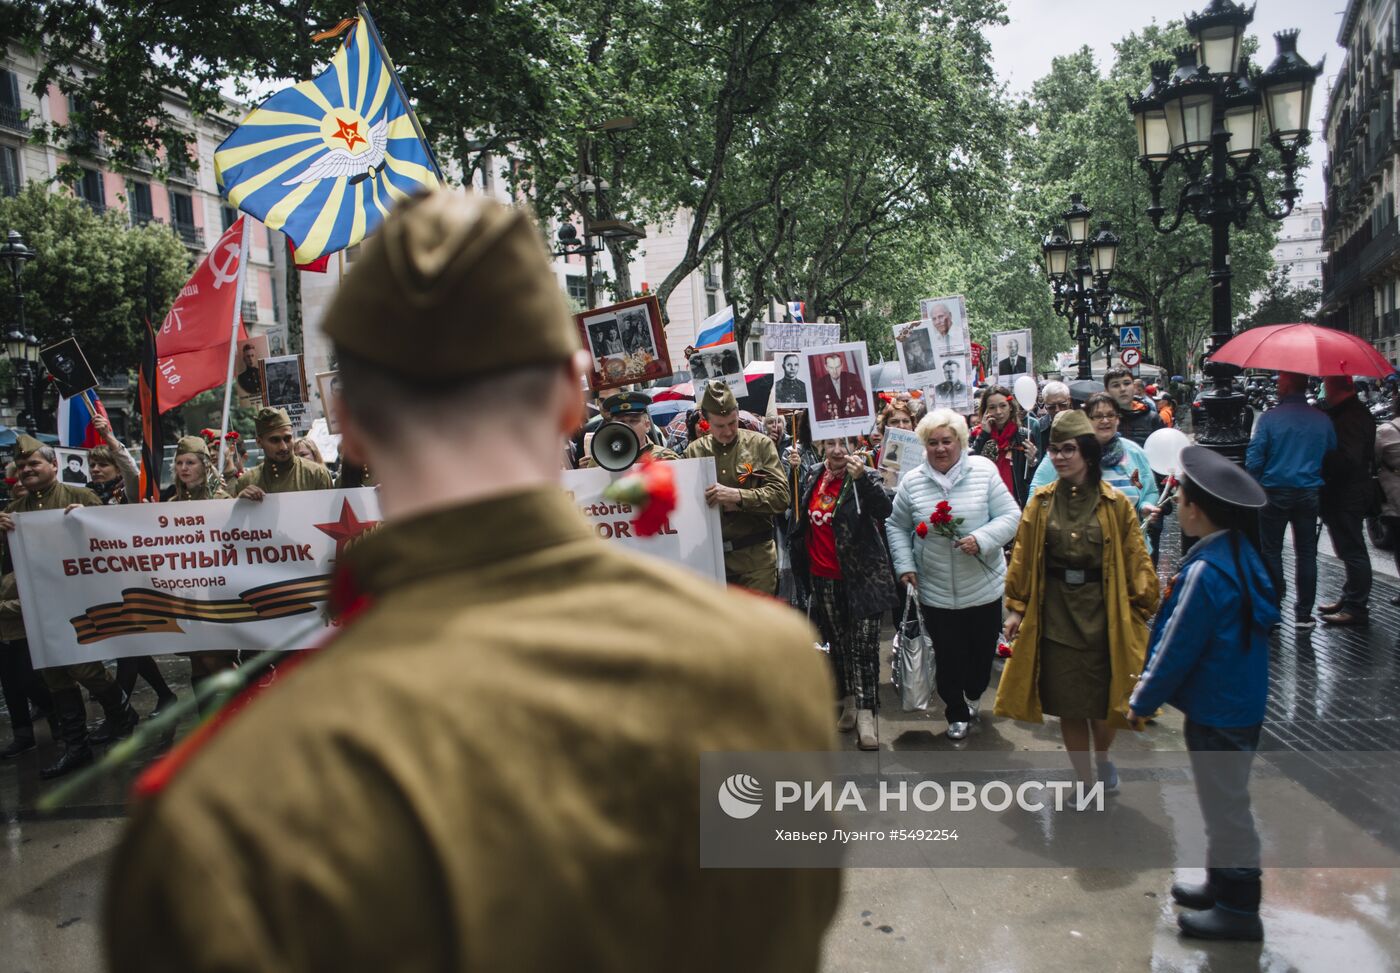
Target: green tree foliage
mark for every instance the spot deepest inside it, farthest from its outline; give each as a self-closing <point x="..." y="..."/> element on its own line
<point x="1283" y="302"/>
<point x="90" y="276"/>
<point x="1085" y="142"/>
<point x="899" y="134"/>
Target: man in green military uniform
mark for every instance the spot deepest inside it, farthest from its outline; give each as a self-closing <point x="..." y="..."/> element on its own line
<point x="495" y="764"/>
<point x="282" y="470"/>
<point x="751" y="488"/>
<point x="38" y="471"/>
<point x="630" y="409"/>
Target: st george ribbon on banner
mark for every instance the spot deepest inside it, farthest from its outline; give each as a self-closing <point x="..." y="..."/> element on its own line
<point x="192" y="344"/>
<point x="107" y="582"/>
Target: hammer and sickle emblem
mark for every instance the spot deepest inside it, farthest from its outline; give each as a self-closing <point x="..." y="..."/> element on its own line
<point x="222" y="274"/>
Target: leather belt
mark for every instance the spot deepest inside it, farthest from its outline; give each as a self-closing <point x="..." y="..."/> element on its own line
<point x="1075" y="575"/>
<point x="751" y="541"/>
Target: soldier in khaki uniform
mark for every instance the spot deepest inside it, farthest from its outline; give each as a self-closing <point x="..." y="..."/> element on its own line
<point x="630" y="409"/>
<point x="38" y="471"/>
<point x="494" y="765"/>
<point x="282" y="470"/>
<point x="752" y="488"/>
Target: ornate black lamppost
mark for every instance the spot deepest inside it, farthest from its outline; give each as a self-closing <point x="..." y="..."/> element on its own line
<point x="1079" y="266"/>
<point x="1207" y="117"/>
<point x="21" y="348"/>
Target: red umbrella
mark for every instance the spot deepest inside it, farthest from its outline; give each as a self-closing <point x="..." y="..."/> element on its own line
<point x="685" y="390"/>
<point x="1305" y="348"/>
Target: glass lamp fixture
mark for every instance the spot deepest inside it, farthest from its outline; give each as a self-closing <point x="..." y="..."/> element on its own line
<point x="1189" y="102"/>
<point x="1287" y="86"/>
<point x="1077" y="218"/>
<point x="1103" y="251"/>
<point x="1218" y="31"/>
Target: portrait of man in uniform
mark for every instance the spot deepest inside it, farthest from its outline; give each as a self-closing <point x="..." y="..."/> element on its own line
<point x="838" y="390"/>
<point x="248" y="381"/>
<point x="913" y="342"/>
<point x="918" y="351"/>
<point x="838" y="393"/>
<point x="952" y="391"/>
<point x="790" y="391"/>
<point x="636" y="331"/>
<point x="284" y="381"/>
<point x="603" y="337"/>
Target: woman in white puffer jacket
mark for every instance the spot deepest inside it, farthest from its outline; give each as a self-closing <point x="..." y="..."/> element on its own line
<point x="960" y="582"/>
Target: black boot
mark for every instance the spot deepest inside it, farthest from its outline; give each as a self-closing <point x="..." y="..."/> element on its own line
<point x="23" y="742"/>
<point x="70" y="760"/>
<point x="1235" y="914"/>
<point x="1193" y="896"/>
<point x="119" y="719"/>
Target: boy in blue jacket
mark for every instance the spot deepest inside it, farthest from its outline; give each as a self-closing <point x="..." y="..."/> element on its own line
<point x="1209" y="657"/>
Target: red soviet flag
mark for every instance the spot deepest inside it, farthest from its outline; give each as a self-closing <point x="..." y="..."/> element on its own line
<point x="192" y="345"/>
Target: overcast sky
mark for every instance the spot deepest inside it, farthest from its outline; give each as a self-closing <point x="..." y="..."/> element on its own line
<point x="1043" y="29"/>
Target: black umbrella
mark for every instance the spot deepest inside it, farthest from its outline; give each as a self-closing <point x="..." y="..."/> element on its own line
<point x="1081" y="389"/>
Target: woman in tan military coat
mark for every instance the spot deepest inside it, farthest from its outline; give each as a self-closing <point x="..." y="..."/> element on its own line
<point x="1079" y="593"/>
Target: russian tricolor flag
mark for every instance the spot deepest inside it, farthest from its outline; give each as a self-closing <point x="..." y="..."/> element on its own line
<point x="717" y="329"/>
<point x="75" y="416"/>
<point x="797" y="310"/>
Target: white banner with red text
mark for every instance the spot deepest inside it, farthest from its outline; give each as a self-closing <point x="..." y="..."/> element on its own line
<point x="690" y="536"/>
<point x="151" y="579"/>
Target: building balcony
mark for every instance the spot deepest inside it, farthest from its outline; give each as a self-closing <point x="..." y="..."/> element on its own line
<point x="1377" y="257"/>
<point x="12" y="118"/>
<point x="1389" y="324"/>
<point x="181" y="173"/>
<point x="192" y="235"/>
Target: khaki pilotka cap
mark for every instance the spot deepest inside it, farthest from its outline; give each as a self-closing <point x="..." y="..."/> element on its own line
<point x="269" y="420"/>
<point x="26" y="444"/>
<point x="192" y="444"/>
<point x="718" y="399"/>
<point x="1070" y="425"/>
<point x="453" y="285"/>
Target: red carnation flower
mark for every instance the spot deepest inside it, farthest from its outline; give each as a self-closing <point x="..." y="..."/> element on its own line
<point x="703" y="425"/>
<point x="922" y="529"/>
<point x="944" y="507"/>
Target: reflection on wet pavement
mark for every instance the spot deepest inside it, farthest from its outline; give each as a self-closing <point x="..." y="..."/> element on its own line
<point x="1332" y="691"/>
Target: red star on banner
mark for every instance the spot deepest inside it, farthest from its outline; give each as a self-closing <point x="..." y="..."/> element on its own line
<point x="349" y="133"/>
<point x="347" y="528"/>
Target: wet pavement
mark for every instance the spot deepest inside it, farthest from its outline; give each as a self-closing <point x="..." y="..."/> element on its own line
<point x="1330" y="697"/>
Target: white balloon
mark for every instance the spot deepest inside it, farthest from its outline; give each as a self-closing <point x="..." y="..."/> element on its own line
<point x="1163" y="450"/>
<point x="1026" y="391"/>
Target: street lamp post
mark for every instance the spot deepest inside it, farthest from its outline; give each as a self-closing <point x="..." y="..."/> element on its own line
<point x="21" y="347"/>
<point x="1079" y="266"/>
<point x="570" y="244"/>
<point x="1208" y="117"/>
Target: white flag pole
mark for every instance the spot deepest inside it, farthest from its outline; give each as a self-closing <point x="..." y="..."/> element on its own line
<point x="233" y="339"/>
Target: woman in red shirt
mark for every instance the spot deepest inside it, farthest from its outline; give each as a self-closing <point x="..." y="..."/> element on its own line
<point x="839" y="549"/>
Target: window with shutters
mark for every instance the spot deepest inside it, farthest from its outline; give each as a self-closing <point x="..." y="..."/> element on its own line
<point x="138" y="202"/>
<point x="9" y="170"/>
<point x="89" y="189"/>
<point x="11" y="114"/>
